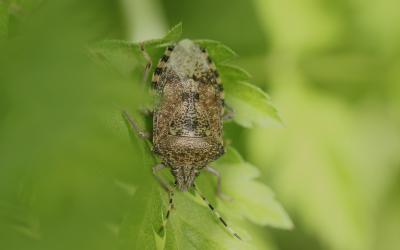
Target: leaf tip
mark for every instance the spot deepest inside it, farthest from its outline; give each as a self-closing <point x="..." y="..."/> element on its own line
<point x="174" y="33"/>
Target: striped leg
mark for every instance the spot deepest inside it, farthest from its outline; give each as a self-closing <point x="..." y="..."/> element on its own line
<point x="170" y="207"/>
<point x="233" y="233"/>
<point x="167" y="188"/>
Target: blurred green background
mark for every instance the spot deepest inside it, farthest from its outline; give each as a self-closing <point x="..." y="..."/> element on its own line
<point x="332" y="69"/>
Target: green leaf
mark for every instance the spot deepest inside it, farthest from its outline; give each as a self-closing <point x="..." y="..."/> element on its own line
<point x="3" y="19"/>
<point x="137" y="228"/>
<point x="19" y="219"/>
<point x="252" y="107"/>
<point x="126" y="57"/>
<point x="320" y="166"/>
<point x="232" y="73"/>
<point x="172" y="36"/>
<point x="122" y="56"/>
<point x="193" y="226"/>
<point x="251" y="199"/>
<point x="218" y="51"/>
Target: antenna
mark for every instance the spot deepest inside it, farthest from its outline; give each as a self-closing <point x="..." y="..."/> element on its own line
<point x="233" y="233"/>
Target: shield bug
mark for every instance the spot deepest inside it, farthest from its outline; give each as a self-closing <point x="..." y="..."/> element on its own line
<point x="188" y="120"/>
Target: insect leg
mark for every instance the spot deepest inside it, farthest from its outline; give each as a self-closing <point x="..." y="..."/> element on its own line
<point x="229" y="113"/>
<point x="170" y="207"/>
<point x="233" y="233"/>
<point x="148" y="59"/>
<point x="162" y="182"/>
<point x="134" y="126"/>
<point x="219" y="179"/>
<point x="167" y="188"/>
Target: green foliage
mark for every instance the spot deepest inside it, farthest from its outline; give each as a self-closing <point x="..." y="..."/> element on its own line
<point x="336" y="164"/>
<point x="251" y="105"/>
<point x="72" y="177"/>
<point x="192" y="225"/>
<point x="3" y="19"/>
<point x="239" y="182"/>
<point x="13" y="10"/>
<point x="172" y="35"/>
<point x="218" y="51"/>
<point x="125" y="56"/>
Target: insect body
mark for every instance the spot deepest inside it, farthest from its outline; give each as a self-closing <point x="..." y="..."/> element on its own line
<point x="187" y="123"/>
<point x="188" y="119"/>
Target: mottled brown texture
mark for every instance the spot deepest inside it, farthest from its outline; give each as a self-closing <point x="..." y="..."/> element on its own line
<point x="188" y="120"/>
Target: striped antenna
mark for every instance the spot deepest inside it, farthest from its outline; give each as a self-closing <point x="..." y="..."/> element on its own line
<point x="170" y="207"/>
<point x="233" y="233"/>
